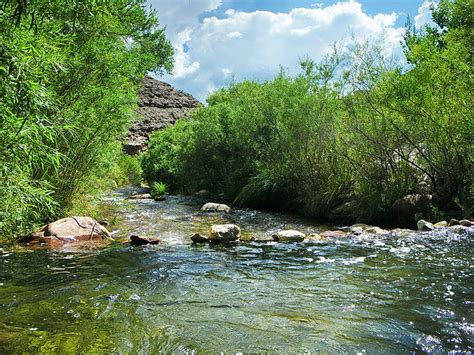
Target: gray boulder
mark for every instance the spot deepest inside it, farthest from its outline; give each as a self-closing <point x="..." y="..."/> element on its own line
<point x="215" y="207"/>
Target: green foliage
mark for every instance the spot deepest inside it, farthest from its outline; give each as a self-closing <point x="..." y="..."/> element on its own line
<point x="158" y="189"/>
<point x="352" y="128"/>
<point x="69" y="79"/>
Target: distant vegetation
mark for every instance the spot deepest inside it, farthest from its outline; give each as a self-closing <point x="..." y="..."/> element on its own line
<point x="69" y="78"/>
<point x="349" y="129"/>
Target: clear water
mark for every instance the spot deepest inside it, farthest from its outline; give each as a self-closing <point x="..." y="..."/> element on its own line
<point x="374" y="294"/>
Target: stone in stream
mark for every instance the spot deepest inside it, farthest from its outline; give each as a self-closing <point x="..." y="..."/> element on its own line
<point x="288" y="236"/>
<point x="314" y="237"/>
<point x="465" y="223"/>
<point x="68" y="230"/>
<point x="137" y="240"/>
<point x="199" y="239"/>
<point x="375" y="230"/>
<point x="224" y="233"/>
<point x="424" y="225"/>
<point x="215" y="207"/>
<point x="333" y="234"/>
<point x="441" y="224"/>
<point x="140" y="197"/>
<point x="453" y="222"/>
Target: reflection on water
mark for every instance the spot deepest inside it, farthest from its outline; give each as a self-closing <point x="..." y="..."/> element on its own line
<point x="373" y="294"/>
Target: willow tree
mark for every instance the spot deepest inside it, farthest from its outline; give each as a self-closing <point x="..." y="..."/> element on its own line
<point x="69" y="78"/>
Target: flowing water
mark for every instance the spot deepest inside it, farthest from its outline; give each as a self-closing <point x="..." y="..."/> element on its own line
<point x="374" y="293"/>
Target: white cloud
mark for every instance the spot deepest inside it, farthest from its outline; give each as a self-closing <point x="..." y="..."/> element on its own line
<point x="424" y="14"/>
<point x="254" y="45"/>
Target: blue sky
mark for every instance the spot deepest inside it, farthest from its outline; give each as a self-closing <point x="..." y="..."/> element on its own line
<point x="217" y="41"/>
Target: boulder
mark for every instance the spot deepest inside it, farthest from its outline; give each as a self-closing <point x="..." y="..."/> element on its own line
<point x="137" y="240"/>
<point x="199" y="239"/>
<point x="215" y="207"/>
<point x="424" y="225"/>
<point x="140" y="197"/>
<point x="288" y="236"/>
<point x="68" y="230"/>
<point x="402" y="212"/>
<point x="224" y="233"/>
<point x="441" y="224"/>
<point x="333" y="234"/>
<point x="465" y="223"/>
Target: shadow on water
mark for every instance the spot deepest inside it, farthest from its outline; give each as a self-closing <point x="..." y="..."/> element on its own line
<point x="378" y="294"/>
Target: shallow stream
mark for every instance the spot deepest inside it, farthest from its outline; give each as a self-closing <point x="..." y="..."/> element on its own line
<point x="373" y="293"/>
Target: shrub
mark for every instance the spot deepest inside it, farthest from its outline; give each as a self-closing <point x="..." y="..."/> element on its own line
<point x="158" y="189"/>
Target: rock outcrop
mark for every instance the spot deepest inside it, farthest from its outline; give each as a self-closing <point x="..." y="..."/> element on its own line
<point x="160" y="105"/>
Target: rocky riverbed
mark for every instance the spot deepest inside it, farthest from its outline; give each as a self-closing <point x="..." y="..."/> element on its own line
<point x="346" y="290"/>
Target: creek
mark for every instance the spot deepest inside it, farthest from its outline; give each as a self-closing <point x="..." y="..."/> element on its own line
<point x="369" y="293"/>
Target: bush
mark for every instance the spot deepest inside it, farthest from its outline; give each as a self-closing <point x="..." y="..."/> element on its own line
<point x="158" y="189"/>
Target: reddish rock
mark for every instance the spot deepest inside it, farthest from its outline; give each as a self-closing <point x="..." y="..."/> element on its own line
<point x="68" y="230"/>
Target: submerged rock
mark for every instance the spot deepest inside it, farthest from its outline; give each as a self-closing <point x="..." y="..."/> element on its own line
<point x="199" y="239"/>
<point x="424" y="225"/>
<point x="288" y="236"/>
<point x="68" y="230"/>
<point x="215" y="207"/>
<point x="224" y="233"/>
<point x="137" y="240"/>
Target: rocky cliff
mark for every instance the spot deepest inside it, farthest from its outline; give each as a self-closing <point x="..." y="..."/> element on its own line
<point x="160" y="105"/>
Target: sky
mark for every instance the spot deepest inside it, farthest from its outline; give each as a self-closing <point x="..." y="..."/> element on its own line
<point x="220" y="41"/>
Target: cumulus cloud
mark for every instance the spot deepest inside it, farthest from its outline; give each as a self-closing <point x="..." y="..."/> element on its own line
<point x="424" y="14"/>
<point x="254" y="45"/>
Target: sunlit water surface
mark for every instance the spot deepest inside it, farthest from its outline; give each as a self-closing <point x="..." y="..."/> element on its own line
<point x="383" y="294"/>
